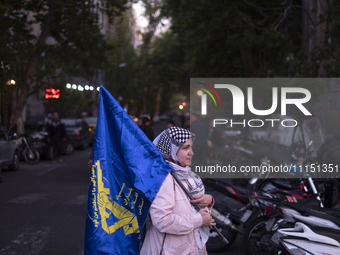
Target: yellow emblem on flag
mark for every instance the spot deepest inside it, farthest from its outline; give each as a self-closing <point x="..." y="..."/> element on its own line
<point x="126" y="219"/>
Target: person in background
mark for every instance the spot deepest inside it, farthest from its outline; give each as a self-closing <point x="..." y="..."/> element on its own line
<point x="159" y="124"/>
<point x="176" y="119"/>
<point x="170" y="124"/>
<point x="145" y="127"/>
<point x="56" y="136"/>
<point x="174" y="226"/>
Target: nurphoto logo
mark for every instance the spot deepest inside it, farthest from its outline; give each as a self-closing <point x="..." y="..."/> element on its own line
<point x="264" y="127"/>
<point x="280" y="97"/>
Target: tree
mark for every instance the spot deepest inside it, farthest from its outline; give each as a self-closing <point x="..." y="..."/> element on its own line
<point x="157" y="63"/>
<point x="44" y="41"/>
<point x="121" y="68"/>
<point x="235" y="38"/>
<point x="327" y="52"/>
<point x="241" y="39"/>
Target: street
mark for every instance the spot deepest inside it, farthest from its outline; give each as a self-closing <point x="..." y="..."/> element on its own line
<point x="44" y="206"/>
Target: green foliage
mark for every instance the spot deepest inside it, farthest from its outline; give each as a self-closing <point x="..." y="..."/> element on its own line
<point x="234" y="38"/>
<point x="330" y="51"/>
<point x="121" y="67"/>
<point x="241" y="38"/>
<point x="44" y="42"/>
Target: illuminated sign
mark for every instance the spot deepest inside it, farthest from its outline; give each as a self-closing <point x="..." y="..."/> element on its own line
<point x="52" y="93"/>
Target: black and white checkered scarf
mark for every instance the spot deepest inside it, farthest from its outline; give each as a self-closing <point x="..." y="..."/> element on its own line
<point x="170" y="140"/>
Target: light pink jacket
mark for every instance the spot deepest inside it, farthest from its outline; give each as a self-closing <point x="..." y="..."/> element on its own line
<point x="173" y="221"/>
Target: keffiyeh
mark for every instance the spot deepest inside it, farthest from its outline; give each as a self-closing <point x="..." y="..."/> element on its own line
<point x="170" y="140"/>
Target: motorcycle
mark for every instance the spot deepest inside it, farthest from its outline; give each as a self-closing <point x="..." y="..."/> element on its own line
<point x="230" y="216"/>
<point x="233" y="216"/>
<point x="299" y="146"/>
<point x="303" y="239"/>
<point x="26" y="152"/>
<point x="39" y="141"/>
<point x="262" y="235"/>
<point x="302" y="154"/>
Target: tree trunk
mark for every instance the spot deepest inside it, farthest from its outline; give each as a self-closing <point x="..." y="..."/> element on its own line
<point x="19" y="106"/>
<point x="28" y="80"/>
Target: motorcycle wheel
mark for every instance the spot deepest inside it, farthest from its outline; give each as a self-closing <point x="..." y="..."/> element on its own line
<point x="31" y="156"/>
<point x="215" y="242"/>
<point x="335" y="192"/>
<point x="256" y="239"/>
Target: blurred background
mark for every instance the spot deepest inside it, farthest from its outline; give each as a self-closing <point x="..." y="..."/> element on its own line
<point x="55" y="55"/>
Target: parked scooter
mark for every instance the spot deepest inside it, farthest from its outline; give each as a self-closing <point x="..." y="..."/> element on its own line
<point x="316" y="186"/>
<point x="26" y="152"/>
<point x="230" y="219"/>
<point x="303" y="239"/>
<point x="262" y="235"/>
<point x="234" y="219"/>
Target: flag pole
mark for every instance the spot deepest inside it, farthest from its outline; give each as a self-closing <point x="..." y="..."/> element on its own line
<point x="196" y="205"/>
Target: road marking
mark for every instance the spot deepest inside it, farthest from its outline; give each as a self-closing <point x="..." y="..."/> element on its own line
<point x="30" y="242"/>
<point x="47" y="170"/>
<point x="79" y="200"/>
<point x="28" y="199"/>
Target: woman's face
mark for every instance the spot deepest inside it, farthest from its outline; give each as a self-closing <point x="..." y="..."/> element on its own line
<point x="185" y="153"/>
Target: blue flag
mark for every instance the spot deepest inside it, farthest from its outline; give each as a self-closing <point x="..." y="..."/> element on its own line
<point x="126" y="175"/>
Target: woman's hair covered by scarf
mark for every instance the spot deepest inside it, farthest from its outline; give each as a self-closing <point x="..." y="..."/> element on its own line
<point x="171" y="140"/>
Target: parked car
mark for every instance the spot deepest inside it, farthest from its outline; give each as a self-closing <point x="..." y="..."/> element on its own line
<point x="92" y="122"/>
<point x="78" y="131"/>
<point x="9" y="152"/>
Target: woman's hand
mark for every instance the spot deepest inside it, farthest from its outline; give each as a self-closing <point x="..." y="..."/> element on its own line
<point x="206" y="218"/>
<point x="203" y="200"/>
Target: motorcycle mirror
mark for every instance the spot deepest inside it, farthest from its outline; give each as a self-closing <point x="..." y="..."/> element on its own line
<point x="253" y="180"/>
<point x="14" y="136"/>
<point x="309" y="146"/>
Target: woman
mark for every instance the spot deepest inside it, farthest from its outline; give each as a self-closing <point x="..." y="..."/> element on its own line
<point x="174" y="225"/>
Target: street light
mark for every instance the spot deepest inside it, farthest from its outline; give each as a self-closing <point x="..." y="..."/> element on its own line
<point x="6" y="100"/>
<point x="11" y="82"/>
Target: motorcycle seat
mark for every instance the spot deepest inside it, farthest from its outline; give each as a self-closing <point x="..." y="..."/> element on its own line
<point x="332" y="233"/>
<point x="225" y="186"/>
<point x="325" y="213"/>
<point x="283" y="184"/>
